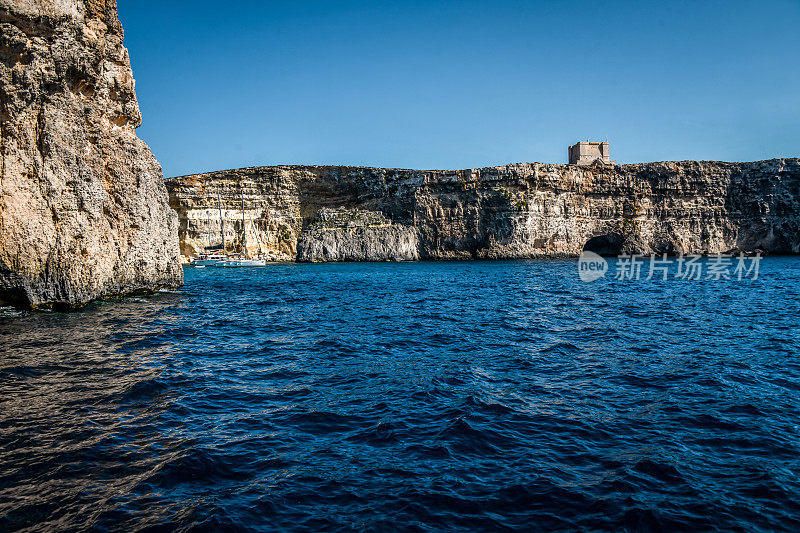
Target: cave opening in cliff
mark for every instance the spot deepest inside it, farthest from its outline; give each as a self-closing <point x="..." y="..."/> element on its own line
<point x="608" y="245"/>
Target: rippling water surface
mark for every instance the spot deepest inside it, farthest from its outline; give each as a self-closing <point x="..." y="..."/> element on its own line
<point x="422" y="396"/>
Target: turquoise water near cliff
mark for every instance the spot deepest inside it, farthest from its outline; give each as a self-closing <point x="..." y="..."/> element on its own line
<point x="421" y="396"/>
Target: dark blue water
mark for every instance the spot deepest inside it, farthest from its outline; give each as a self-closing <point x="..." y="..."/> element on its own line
<point x="420" y="396"/>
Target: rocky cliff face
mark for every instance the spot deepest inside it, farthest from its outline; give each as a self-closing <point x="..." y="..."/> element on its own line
<point x="354" y="235"/>
<point x="315" y="213"/>
<point x="83" y="209"/>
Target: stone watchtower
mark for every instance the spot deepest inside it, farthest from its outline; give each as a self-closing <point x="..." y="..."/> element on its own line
<point x="586" y="153"/>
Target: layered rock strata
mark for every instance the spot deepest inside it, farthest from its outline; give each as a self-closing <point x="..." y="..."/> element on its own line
<point x="354" y="235"/>
<point x="513" y="211"/>
<point x="84" y="212"/>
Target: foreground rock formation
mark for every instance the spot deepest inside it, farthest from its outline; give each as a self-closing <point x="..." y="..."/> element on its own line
<point x="83" y="208"/>
<point x="320" y="213"/>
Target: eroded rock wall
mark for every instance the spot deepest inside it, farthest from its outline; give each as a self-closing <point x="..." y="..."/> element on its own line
<point x="83" y="209"/>
<point x="354" y="235"/>
<point x="512" y="211"/>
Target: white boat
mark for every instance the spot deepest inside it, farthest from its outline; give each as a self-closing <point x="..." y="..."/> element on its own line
<point x="216" y="259"/>
<point x="205" y="260"/>
<point x="241" y="263"/>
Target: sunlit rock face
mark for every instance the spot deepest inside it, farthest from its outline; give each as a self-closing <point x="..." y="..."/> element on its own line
<point x="319" y="213"/>
<point x="84" y="212"/>
<point x="343" y="234"/>
<point x="265" y="201"/>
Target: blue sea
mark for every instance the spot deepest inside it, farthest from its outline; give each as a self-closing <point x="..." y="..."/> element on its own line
<point x="430" y="396"/>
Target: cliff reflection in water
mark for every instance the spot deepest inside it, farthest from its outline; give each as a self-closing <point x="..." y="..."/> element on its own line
<point x="377" y="396"/>
<point x="88" y="410"/>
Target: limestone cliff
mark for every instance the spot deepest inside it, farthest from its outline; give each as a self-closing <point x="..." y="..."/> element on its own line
<point x="355" y="235"/>
<point x="320" y="213"/>
<point x="83" y="209"/>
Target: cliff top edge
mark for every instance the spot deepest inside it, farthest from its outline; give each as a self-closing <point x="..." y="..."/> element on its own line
<point x="245" y="170"/>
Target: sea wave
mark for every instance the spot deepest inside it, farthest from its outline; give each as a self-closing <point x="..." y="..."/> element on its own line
<point x="480" y="396"/>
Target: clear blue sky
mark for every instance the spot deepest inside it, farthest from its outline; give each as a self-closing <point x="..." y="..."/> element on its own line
<point x="460" y="84"/>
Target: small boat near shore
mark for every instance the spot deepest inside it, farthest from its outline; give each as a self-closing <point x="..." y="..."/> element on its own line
<point x="216" y="259"/>
<point x="228" y="263"/>
<point x="208" y="259"/>
<point x="220" y="260"/>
